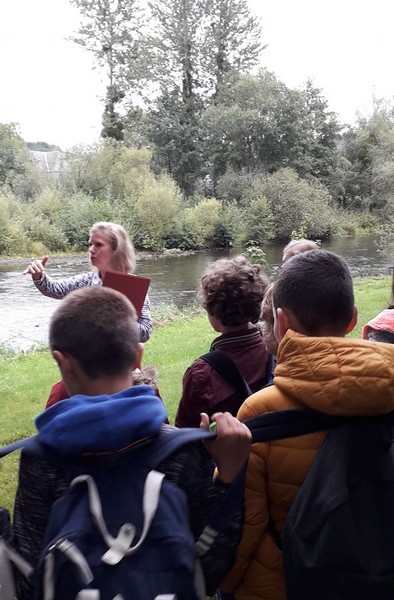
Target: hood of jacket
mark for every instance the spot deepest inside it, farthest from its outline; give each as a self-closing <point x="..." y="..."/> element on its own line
<point x="342" y="376"/>
<point x="101" y="423"/>
<point x="384" y="321"/>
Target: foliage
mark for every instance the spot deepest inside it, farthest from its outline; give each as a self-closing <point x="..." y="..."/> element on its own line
<point x="155" y="212"/>
<point x="255" y="254"/>
<point x="110" y="30"/>
<point x="201" y="219"/>
<point x="258" y="221"/>
<point x="78" y="213"/>
<point x="174" y="131"/>
<point x="108" y="171"/>
<point x="295" y="202"/>
<point x="228" y="227"/>
<point x="16" y="169"/>
<point x="386" y="240"/>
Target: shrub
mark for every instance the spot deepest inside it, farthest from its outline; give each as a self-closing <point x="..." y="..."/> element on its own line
<point x="155" y="210"/>
<point x="227" y="227"/>
<point x="258" y="221"/>
<point x="297" y="203"/>
<point x="78" y="213"/>
<point x="201" y="220"/>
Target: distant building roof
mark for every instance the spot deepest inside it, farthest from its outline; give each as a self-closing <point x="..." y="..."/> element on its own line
<point x="49" y="162"/>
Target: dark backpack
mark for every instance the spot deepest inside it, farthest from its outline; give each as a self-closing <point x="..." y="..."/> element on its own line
<point x="338" y="540"/>
<point x="121" y="530"/>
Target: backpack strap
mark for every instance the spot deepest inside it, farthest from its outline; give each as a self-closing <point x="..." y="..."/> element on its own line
<point x="226" y="367"/>
<point x="29" y="442"/>
<point x="169" y="440"/>
<point x="291" y="423"/>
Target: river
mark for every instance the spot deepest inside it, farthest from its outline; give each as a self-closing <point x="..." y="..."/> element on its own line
<point x="25" y="313"/>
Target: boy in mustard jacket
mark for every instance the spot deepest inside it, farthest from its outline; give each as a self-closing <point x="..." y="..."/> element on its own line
<point x="317" y="368"/>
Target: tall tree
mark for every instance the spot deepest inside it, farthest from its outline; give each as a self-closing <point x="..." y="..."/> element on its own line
<point x="175" y="45"/>
<point x="233" y="39"/>
<point x="175" y="132"/>
<point x="110" y="30"/>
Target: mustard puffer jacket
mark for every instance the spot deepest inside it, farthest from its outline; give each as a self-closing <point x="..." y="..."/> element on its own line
<point x="336" y="376"/>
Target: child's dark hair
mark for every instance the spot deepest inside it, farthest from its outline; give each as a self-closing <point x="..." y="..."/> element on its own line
<point x="97" y="327"/>
<point x="317" y="287"/>
<point x="232" y="290"/>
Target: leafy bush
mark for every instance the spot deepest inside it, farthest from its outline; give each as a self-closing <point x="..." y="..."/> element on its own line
<point x="155" y="210"/>
<point x="201" y="220"/>
<point x="227" y="227"/>
<point x="258" y="221"/>
<point x="78" y="213"/>
<point x="295" y="202"/>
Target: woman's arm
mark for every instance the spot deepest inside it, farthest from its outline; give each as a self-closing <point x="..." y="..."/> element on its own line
<point x="144" y="323"/>
<point x="59" y="289"/>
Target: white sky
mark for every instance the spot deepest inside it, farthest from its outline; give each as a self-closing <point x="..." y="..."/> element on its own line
<point x="49" y="88"/>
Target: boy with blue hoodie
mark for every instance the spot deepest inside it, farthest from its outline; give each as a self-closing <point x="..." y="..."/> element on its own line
<point x="93" y="338"/>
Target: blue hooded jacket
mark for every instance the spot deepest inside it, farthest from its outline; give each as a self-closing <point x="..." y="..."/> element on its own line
<point x="101" y="423"/>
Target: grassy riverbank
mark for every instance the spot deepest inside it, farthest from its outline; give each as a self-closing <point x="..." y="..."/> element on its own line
<point x="178" y="338"/>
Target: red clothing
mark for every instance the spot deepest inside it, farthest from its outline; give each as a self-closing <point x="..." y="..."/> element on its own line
<point x="204" y="390"/>
<point x="58" y="392"/>
<point x="380" y="328"/>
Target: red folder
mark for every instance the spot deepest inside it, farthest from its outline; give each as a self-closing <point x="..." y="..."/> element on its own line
<point x="135" y="287"/>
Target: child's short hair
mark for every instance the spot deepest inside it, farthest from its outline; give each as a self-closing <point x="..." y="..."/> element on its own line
<point x="295" y="247"/>
<point x="97" y="327"/>
<point x="317" y="287"/>
<point x="123" y="257"/>
<point x="232" y="290"/>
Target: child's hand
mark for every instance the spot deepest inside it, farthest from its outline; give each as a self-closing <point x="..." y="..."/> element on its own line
<point x="230" y="449"/>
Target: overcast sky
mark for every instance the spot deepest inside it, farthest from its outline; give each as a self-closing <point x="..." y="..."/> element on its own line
<point x="49" y="88"/>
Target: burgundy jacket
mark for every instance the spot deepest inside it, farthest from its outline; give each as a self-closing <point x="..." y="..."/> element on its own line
<point x="204" y="390"/>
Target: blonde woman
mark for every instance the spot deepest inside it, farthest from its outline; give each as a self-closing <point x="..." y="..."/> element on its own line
<point x="109" y="248"/>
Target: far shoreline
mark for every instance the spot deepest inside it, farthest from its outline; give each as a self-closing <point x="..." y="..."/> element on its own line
<point x="140" y="255"/>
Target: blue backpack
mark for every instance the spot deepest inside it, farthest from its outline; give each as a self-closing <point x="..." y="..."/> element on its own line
<point x="338" y="540"/>
<point x="121" y="531"/>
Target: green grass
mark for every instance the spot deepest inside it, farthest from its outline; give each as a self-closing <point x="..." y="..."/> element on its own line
<point x="26" y="379"/>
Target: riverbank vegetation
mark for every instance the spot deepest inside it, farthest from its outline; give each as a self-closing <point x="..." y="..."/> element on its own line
<point x="198" y="148"/>
<point x="26" y="379"/>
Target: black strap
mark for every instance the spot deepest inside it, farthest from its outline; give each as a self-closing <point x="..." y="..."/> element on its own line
<point x="291" y="423"/>
<point x="227" y="369"/>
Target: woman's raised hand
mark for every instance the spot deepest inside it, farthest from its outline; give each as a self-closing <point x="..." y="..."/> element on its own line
<point x="36" y="268"/>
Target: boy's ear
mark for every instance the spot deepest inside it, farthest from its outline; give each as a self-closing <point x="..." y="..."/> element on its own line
<point x="65" y="364"/>
<point x="282" y="323"/>
<point x="138" y="357"/>
<point x="353" y="321"/>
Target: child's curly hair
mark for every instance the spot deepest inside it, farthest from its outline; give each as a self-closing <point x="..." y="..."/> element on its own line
<point x="232" y="290"/>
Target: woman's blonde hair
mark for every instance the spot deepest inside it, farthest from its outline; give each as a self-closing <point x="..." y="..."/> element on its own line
<point x="123" y="258"/>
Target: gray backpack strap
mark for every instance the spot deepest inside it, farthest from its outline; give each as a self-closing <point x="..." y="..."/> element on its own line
<point x="9" y="557"/>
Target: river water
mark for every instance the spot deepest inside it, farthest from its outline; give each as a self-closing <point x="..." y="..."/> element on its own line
<point x="25" y="313"/>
